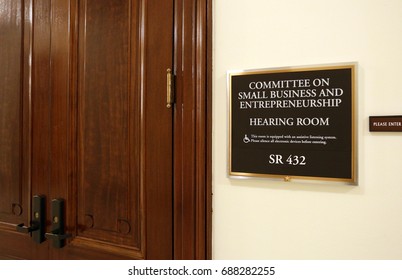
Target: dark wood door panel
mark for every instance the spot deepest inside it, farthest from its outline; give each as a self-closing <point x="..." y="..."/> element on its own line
<point x="83" y="117"/>
<point x="16" y="130"/>
<point x="14" y="127"/>
<point x="20" y="246"/>
<point x="157" y="127"/>
<point x="119" y="197"/>
<point x="108" y="114"/>
<point x="11" y="96"/>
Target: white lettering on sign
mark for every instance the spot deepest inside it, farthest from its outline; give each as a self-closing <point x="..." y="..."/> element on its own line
<point x="289" y="121"/>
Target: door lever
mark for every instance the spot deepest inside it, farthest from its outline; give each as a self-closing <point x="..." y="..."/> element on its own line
<point x="24" y="229"/>
<point x="37" y="224"/>
<point x="57" y="234"/>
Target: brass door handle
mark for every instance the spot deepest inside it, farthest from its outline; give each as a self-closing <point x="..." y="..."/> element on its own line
<point x="170" y="88"/>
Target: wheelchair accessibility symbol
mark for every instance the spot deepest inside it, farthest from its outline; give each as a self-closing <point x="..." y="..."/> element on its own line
<point x="246" y="139"/>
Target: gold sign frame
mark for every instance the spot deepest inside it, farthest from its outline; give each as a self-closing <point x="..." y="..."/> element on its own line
<point x="352" y="155"/>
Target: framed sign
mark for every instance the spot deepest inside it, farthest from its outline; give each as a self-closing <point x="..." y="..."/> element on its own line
<point x="293" y="123"/>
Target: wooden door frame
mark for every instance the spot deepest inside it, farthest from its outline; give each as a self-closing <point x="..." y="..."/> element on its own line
<point x="192" y="202"/>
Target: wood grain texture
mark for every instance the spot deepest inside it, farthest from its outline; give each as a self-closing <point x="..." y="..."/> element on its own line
<point x="103" y="118"/>
<point x="121" y="131"/>
<point x="11" y="96"/>
<point x="192" y="147"/>
<point x="93" y="127"/>
<point x="16" y="118"/>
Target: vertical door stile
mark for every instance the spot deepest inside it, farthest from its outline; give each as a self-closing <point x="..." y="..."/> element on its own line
<point x="71" y="198"/>
<point x="27" y="104"/>
<point x="141" y="87"/>
<point x="61" y="85"/>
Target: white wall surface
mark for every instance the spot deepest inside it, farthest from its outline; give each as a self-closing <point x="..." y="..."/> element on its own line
<point x="273" y="219"/>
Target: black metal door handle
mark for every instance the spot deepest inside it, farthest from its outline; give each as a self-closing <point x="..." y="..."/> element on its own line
<point x="24" y="229"/>
<point x="57" y="235"/>
<point x="37" y="224"/>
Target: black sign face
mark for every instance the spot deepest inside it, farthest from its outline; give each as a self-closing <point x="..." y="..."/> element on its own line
<point x="293" y="123"/>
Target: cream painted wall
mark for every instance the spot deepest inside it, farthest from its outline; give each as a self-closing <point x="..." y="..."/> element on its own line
<point x="271" y="219"/>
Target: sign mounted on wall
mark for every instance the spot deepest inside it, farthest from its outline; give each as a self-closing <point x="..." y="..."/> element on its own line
<point x="386" y="123"/>
<point x="293" y="123"/>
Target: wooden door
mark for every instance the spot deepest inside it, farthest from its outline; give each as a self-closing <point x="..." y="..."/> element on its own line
<point x="83" y="118"/>
<point x="15" y="131"/>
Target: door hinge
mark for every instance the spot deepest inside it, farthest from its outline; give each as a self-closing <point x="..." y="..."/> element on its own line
<point x="170" y="95"/>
